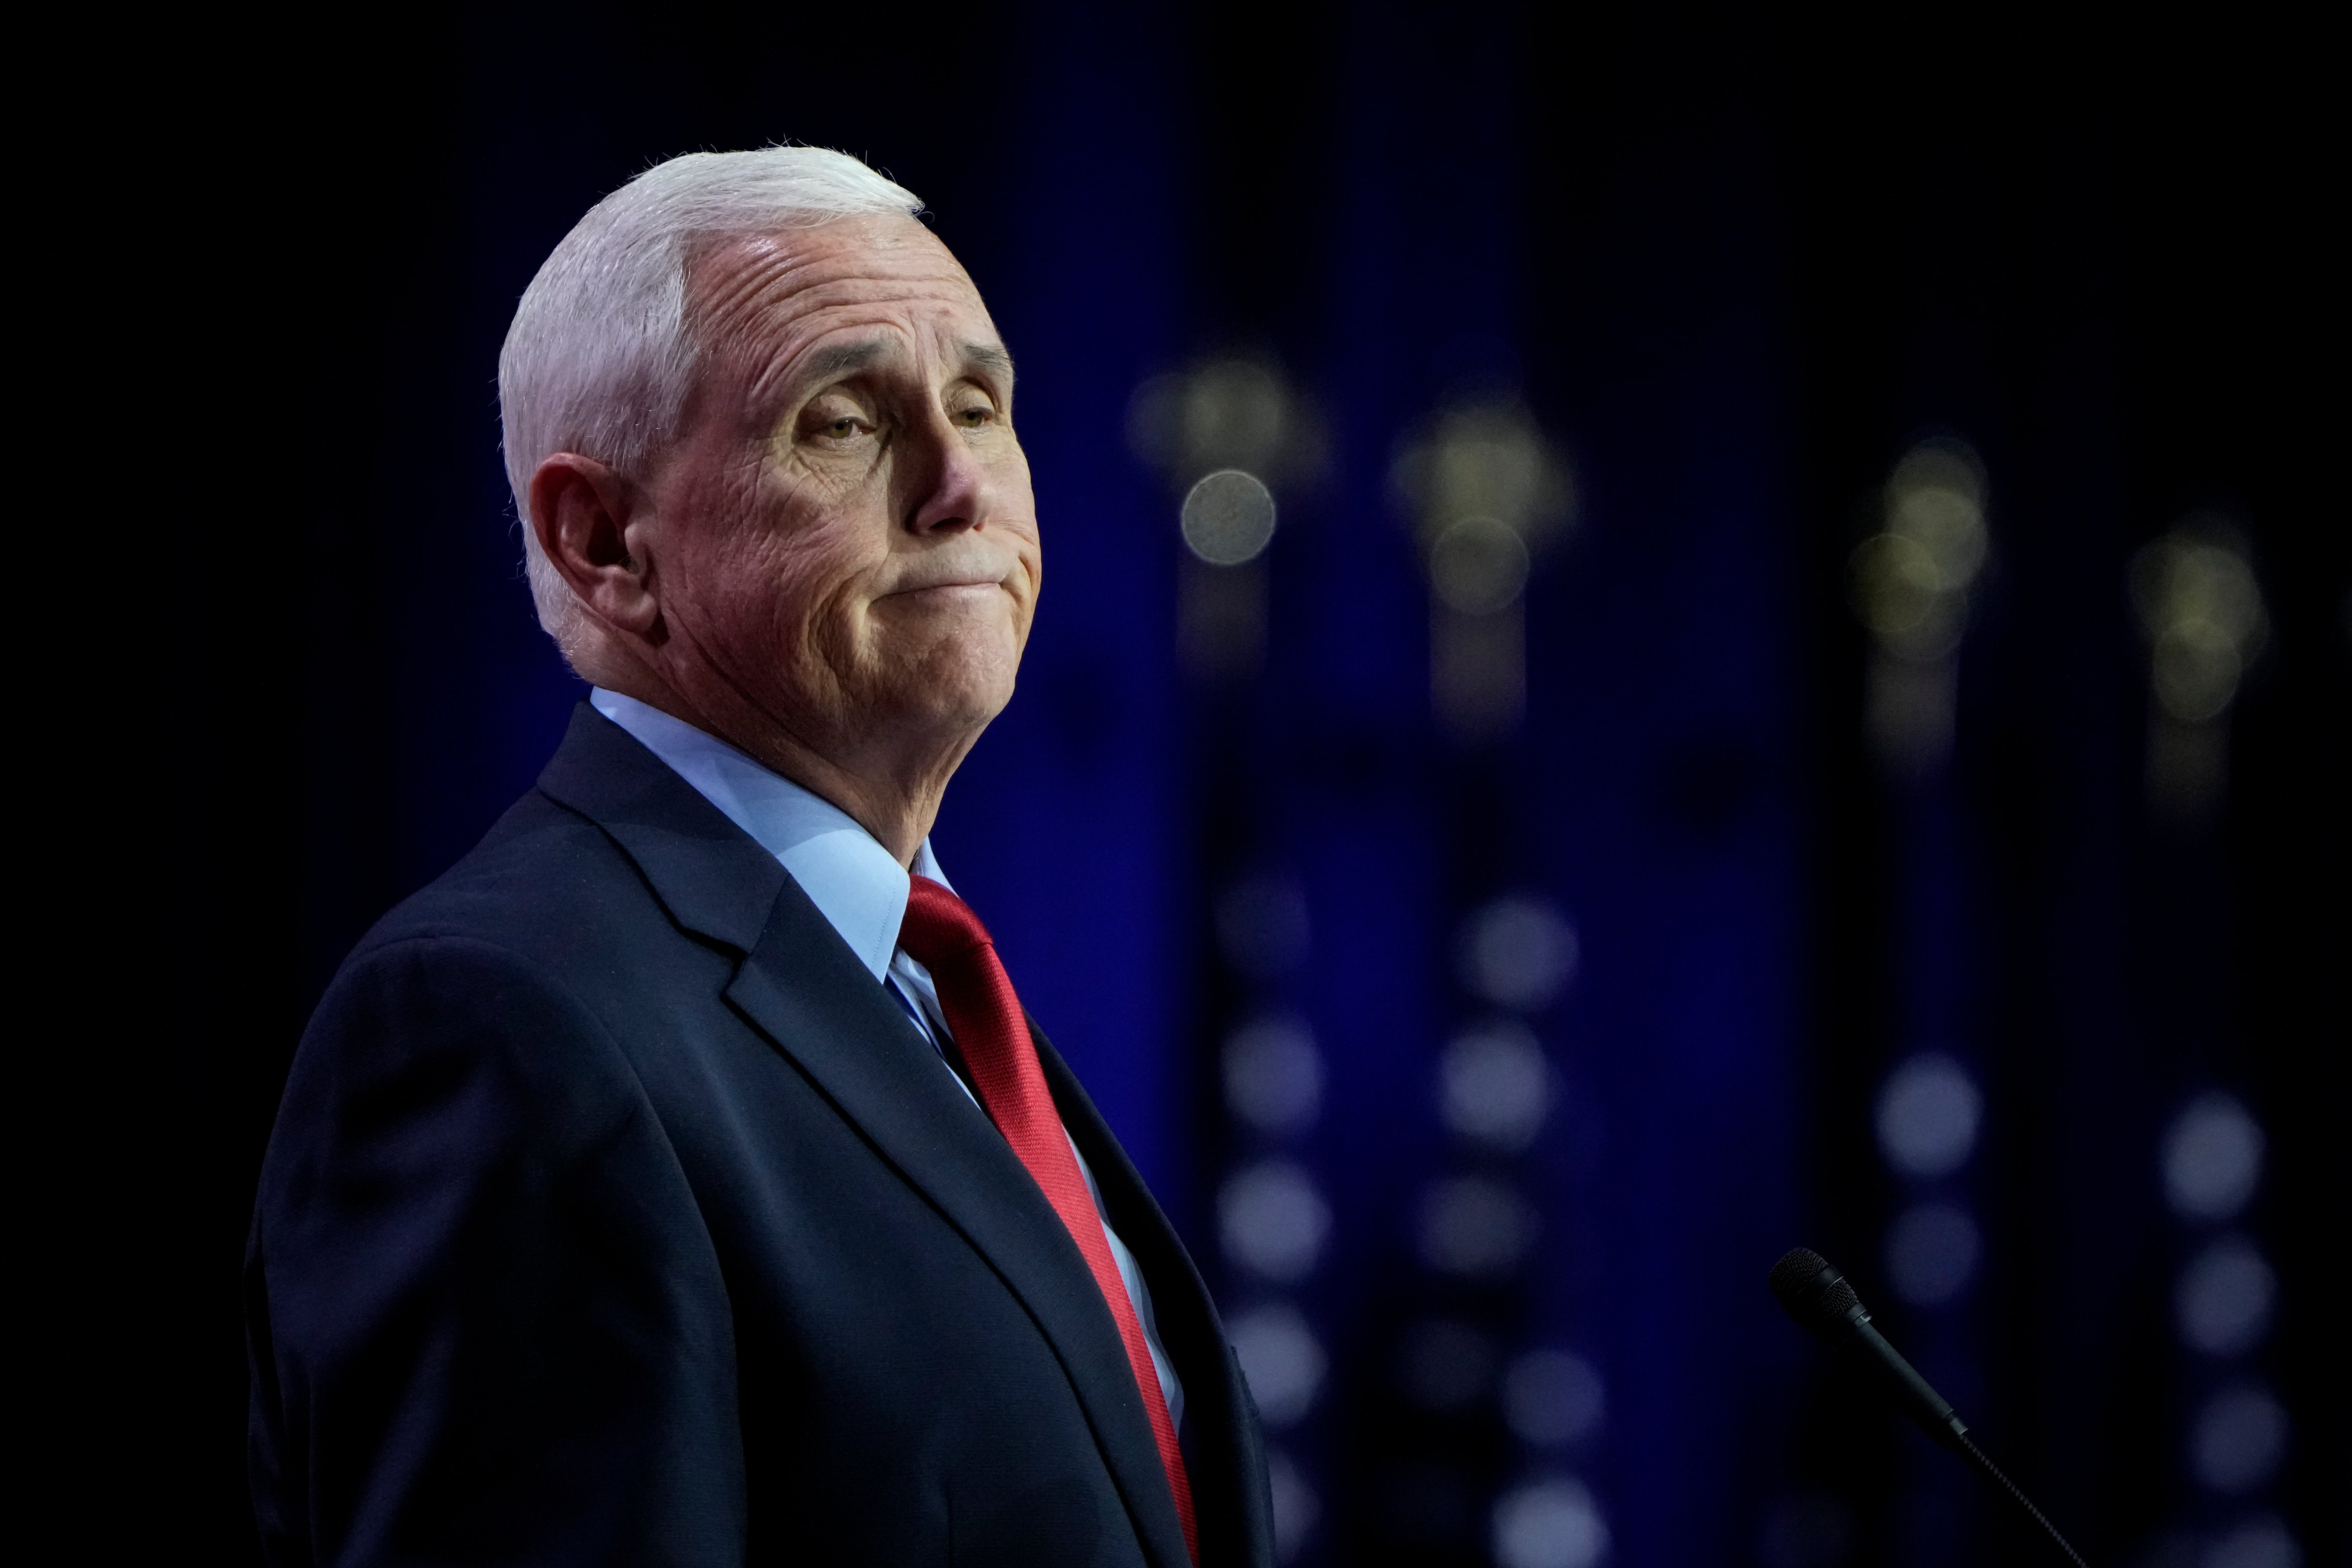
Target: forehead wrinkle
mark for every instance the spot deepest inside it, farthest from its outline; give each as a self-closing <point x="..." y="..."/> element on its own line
<point x="890" y="342"/>
<point x="767" y="297"/>
<point x="775" y="276"/>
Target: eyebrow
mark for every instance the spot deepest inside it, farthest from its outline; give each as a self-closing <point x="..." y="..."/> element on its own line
<point x="828" y="362"/>
<point x="990" y="356"/>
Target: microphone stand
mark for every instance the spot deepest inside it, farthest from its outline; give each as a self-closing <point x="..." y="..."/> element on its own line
<point x="1817" y="1296"/>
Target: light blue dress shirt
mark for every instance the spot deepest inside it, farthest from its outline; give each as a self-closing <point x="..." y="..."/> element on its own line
<point x="861" y="889"/>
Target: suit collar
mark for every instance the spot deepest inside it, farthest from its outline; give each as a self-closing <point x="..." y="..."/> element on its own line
<point x="844" y="870"/>
<point x="710" y="876"/>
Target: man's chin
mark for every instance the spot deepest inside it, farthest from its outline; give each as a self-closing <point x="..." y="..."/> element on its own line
<point x="955" y="688"/>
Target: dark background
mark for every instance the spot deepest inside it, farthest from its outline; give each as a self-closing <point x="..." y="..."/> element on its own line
<point x="1735" y="270"/>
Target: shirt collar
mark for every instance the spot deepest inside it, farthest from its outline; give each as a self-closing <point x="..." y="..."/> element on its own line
<point x="854" y="883"/>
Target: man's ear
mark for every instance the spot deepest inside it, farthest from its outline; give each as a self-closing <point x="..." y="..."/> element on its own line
<point x="581" y="510"/>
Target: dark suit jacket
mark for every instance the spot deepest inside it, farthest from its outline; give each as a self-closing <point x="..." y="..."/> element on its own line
<point x="615" y="1215"/>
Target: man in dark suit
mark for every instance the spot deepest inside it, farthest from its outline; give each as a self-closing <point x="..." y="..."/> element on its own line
<point x="677" y="1179"/>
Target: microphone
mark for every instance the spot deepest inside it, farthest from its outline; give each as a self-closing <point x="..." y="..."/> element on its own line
<point x="1817" y="1296"/>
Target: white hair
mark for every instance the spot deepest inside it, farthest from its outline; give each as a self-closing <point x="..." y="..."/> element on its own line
<point x="600" y="355"/>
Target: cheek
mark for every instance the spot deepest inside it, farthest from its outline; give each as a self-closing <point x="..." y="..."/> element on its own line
<point x="792" y="594"/>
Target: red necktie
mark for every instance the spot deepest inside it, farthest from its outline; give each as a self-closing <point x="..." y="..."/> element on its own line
<point x="942" y="934"/>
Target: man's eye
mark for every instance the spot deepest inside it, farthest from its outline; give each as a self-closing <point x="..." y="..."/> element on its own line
<point x="842" y="429"/>
<point x="974" y="418"/>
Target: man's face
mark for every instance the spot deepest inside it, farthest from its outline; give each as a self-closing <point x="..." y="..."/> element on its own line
<point x="849" y="542"/>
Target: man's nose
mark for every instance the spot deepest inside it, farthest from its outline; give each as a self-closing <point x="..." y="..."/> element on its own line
<point x="952" y="492"/>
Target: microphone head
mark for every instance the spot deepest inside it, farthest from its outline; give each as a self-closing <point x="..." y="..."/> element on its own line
<point x="1814" y="1294"/>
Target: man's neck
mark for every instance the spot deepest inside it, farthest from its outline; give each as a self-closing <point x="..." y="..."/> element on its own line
<point x="899" y="812"/>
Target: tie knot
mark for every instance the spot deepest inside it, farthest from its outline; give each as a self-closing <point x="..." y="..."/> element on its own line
<point x="939" y="927"/>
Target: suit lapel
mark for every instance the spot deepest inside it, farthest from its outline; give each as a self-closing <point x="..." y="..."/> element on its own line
<point x="801" y="986"/>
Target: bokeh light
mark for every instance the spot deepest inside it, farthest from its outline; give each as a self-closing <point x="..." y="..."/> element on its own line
<point x="1484" y="461"/>
<point x="1283" y="1360"/>
<point x="2262" y="1543"/>
<point x="1273" y="1076"/>
<point x="1228" y="517"/>
<point x="1478" y="566"/>
<point x="1552" y="1398"/>
<point x="2225" y="1298"/>
<point x="1494" y="1086"/>
<point x="1518" y="952"/>
<point x="1272" y="1220"/>
<point x="1911" y="581"/>
<point x="1550" y="1524"/>
<point x="1927" y="1116"/>
<point x="1932" y="1249"/>
<point x="2212" y="1158"/>
<point x="2239" y="1440"/>
<point x="1223" y="412"/>
<point x="2202" y="613"/>
<point x="1904" y="597"/>
<point x="1486" y="493"/>
<point x="1910" y="584"/>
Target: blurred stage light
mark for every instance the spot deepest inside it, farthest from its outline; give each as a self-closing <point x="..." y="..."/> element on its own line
<point x="1904" y="598"/>
<point x="1237" y="413"/>
<point x="2225" y="1299"/>
<point x="1932" y="1250"/>
<point x="1910" y="584"/>
<point x="1273" y="1076"/>
<point x="2239" y="1440"/>
<point x="1282" y="1359"/>
<point x="1228" y="517"/>
<point x="1927" y="1116"/>
<point x="1494" y="1086"/>
<point x="1486" y="493"/>
<point x="1518" y="952"/>
<point x="1935" y="497"/>
<point x="1262" y="926"/>
<point x="1444" y="1365"/>
<point x="1484" y="459"/>
<point x="1553" y="1396"/>
<point x="2264" y="1542"/>
<point x="2212" y="1158"/>
<point x="1272" y="1220"/>
<point x="1225" y="433"/>
<point x="1550" y="1524"/>
<point x="2202" y="613"/>
<point x="1474" y="1226"/>
<point x="1478" y="566"/>
<point x="1297" y="1509"/>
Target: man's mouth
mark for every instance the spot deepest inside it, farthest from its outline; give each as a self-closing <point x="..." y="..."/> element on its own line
<point x="949" y="588"/>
